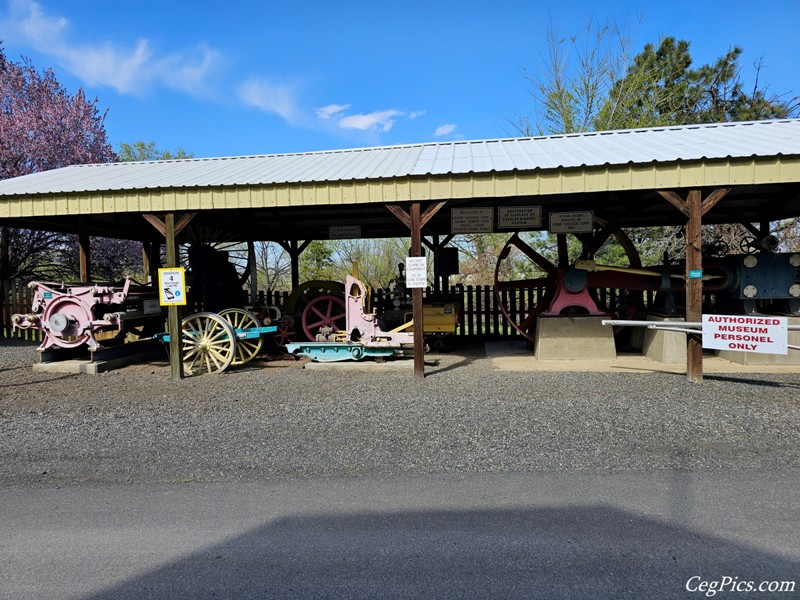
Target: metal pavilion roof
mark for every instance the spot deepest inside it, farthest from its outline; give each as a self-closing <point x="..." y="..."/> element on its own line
<point x="623" y="147"/>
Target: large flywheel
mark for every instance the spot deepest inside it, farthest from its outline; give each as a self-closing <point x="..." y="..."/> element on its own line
<point x="552" y="286"/>
<point x="236" y="251"/>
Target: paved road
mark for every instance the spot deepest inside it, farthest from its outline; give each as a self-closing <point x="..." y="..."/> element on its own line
<point x="549" y="535"/>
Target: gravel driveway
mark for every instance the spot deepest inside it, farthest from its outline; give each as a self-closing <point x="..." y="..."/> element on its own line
<point x="273" y="418"/>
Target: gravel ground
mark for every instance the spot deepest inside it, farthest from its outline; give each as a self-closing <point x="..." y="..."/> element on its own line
<point x="272" y="418"/>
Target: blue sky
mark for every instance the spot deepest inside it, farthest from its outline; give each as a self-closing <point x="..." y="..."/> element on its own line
<point x="247" y="77"/>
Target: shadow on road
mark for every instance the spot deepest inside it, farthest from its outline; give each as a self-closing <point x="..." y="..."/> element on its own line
<point x="577" y="552"/>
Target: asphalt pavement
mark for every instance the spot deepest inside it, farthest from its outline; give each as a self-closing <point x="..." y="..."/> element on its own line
<point x="577" y="534"/>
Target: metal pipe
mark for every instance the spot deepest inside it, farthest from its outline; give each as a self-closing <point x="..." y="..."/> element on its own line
<point x="658" y="325"/>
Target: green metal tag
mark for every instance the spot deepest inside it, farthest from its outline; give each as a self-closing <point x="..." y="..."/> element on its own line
<point x="47" y="295"/>
<point x="695" y="274"/>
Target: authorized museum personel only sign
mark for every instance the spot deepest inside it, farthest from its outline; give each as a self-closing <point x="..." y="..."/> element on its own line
<point x="746" y="333"/>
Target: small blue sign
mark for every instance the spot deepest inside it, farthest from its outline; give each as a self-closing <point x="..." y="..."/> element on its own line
<point x="695" y="273"/>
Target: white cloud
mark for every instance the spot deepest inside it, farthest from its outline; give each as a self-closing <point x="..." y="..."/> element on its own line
<point x="443" y="130"/>
<point x="278" y="98"/>
<point x="129" y="70"/>
<point x="380" y="119"/>
<point x="326" y="112"/>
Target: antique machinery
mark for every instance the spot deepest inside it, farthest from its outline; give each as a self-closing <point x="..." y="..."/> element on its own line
<point x="361" y="337"/>
<point x="72" y="314"/>
<point x="441" y="313"/>
<point x="740" y="283"/>
<point x="213" y="342"/>
<point x="560" y="287"/>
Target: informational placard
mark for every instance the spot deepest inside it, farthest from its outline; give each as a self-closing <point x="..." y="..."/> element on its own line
<point x="572" y="222"/>
<point x="519" y="217"/>
<point x="744" y="333"/>
<point x="416" y="272"/>
<point x="151" y="306"/>
<point x="696" y="274"/>
<point x="172" y="286"/>
<point x="344" y="232"/>
<point x="472" y="220"/>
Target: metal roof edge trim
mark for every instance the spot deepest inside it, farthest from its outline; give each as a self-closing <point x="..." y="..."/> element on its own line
<point x="595" y="179"/>
<point x="584" y="134"/>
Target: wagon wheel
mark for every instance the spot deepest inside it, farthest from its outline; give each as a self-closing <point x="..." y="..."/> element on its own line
<point x="209" y="343"/>
<point x="545" y="274"/>
<point x="286" y="332"/>
<point x="305" y="292"/>
<point x="238" y="251"/>
<point x="323" y="311"/>
<point x="246" y="349"/>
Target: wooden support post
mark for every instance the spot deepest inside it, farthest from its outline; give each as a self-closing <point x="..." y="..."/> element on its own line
<point x="85" y="253"/>
<point x="415" y="222"/>
<point x="694" y="287"/>
<point x="251" y="259"/>
<point x="173" y="312"/>
<point x="146" y="267"/>
<point x="416" y="296"/>
<point x="694" y="207"/>
<point x="294" y="249"/>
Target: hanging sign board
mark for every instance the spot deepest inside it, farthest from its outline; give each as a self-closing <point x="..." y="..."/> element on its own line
<point x="572" y="222"/>
<point x="472" y="220"/>
<point x="172" y="286"/>
<point x="416" y="272"/>
<point x="344" y="232"/>
<point x="519" y="217"/>
<point x="765" y="335"/>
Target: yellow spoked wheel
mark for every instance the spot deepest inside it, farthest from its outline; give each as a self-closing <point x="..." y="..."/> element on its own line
<point x="209" y="344"/>
<point x="246" y="349"/>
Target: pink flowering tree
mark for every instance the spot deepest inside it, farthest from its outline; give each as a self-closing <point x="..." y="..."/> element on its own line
<point x="43" y="126"/>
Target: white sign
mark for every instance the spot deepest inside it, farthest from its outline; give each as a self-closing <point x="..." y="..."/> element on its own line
<point x="172" y="286"/>
<point x="416" y="272"/>
<point x="344" y="232"/>
<point x="472" y="220"/>
<point x="767" y="335"/>
<point x="519" y="217"/>
<point x="572" y="222"/>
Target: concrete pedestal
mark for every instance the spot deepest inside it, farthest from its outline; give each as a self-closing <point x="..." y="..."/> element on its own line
<point x="754" y="358"/>
<point x="665" y="346"/>
<point x="574" y="338"/>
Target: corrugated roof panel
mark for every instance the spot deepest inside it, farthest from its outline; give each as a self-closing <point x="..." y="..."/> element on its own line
<point x="637" y="146"/>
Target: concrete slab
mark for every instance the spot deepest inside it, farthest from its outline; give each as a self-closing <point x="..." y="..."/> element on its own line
<point x="574" y="338"/>
<point x="363" y="366"/>
<point x="517" y="356"/>
<point x="84" y="365"/>
<point x="665" y="346"/>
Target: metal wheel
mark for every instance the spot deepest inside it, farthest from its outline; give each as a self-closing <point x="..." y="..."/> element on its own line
<point x="237" y="251"/>
<point x="536" y="292"/>
<point x="323" y="311"/>
<point x="286" y="332"/>
<point x="209" y="344"/>
<point x="307" y="291"/>
<point x="246" y="349"/>
<point x="67" y="316"/>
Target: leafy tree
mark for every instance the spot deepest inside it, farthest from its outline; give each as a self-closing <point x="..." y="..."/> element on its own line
<point x="662" y="88"/>
<point x="42" y="126"/>
<point x="316" y="262"/>
<point x="142" y="151"/>
<point x="591" y="83"/>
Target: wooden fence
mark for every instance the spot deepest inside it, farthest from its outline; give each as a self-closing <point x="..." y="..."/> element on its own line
<point x="480" y="314"/>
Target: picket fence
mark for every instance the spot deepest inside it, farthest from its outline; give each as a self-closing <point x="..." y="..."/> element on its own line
<point x="480" y="314"/>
